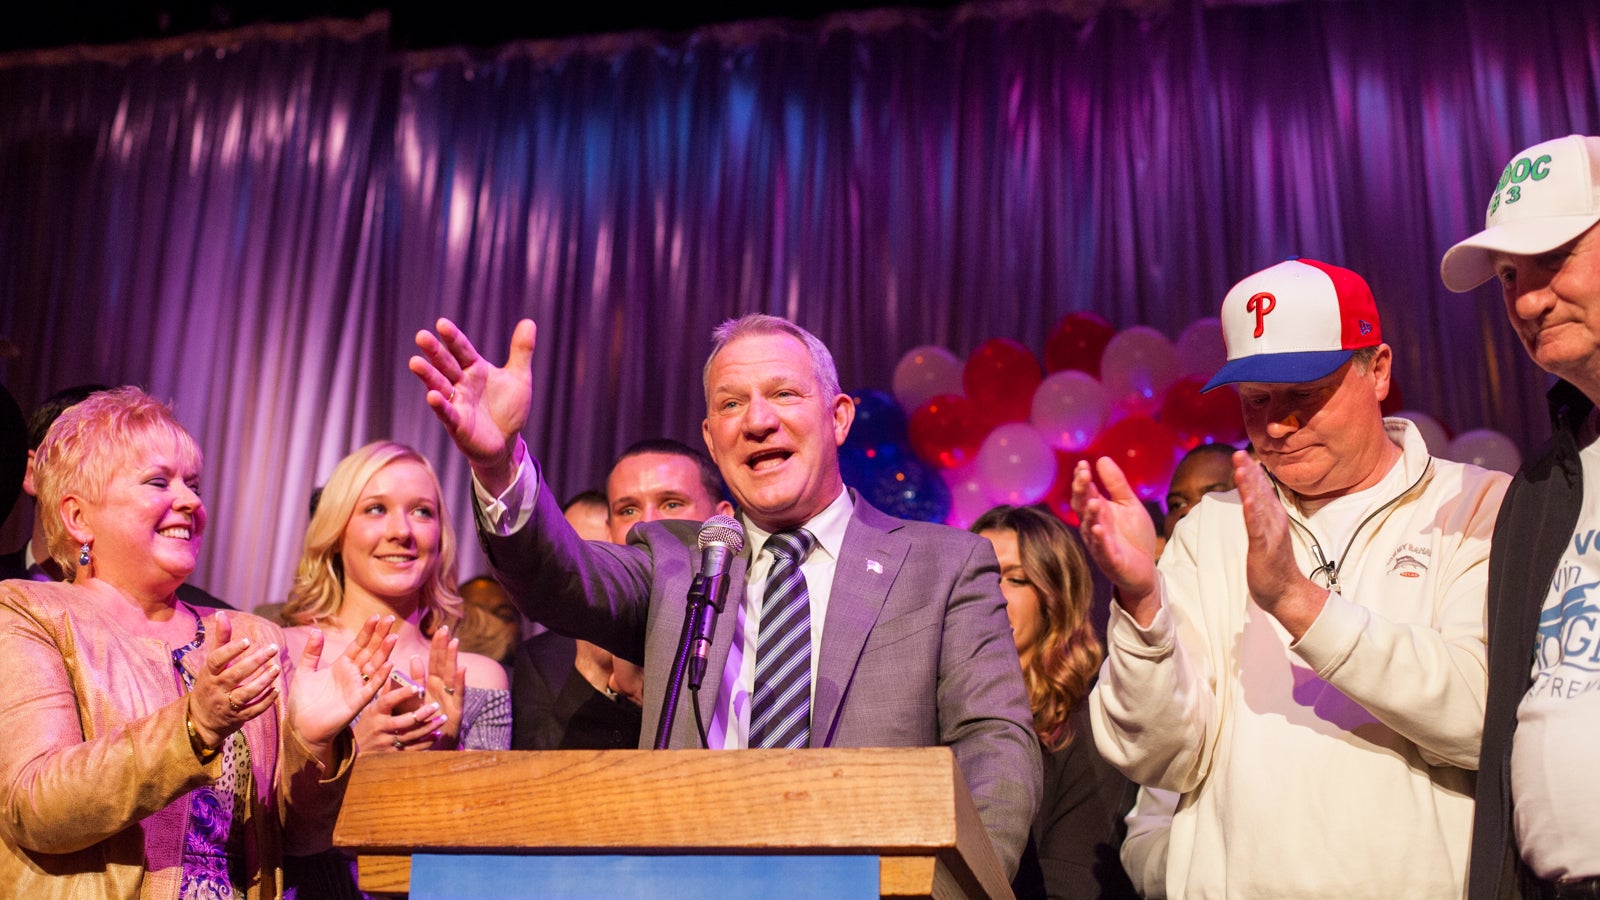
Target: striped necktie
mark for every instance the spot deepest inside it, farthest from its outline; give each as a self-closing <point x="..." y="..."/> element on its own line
<point x="780" y="711"/>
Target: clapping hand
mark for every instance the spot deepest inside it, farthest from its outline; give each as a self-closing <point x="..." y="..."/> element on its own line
<point x="323" y="701"/>
<point x="236" y="683"/>
<point x="1276" y="583"/>
<point x="397" y="718"/>
<point x="446" y="686"/>
<point x="1119" y="535"/>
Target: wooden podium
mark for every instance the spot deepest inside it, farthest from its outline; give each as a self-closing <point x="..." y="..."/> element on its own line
<point x="909" y="808"/>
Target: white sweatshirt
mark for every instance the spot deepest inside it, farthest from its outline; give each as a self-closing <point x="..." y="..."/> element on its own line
<point x="1341" y="765"/>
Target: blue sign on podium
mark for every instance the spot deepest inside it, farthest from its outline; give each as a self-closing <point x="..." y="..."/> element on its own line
<point x="493" y="877"/>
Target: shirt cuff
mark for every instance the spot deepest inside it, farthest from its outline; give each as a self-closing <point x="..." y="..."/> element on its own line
<point x="1333" y="636"/>
<point x="511" y="510"/>
<point x="1123" y="631"/>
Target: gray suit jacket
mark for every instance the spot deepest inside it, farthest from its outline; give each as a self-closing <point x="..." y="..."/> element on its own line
<point x="918" y="654"/>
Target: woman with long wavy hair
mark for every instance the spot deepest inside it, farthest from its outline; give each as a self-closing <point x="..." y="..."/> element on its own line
<point x="1073" y="848"/>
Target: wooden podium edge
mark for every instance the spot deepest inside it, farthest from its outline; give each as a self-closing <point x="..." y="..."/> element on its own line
<point x="909" y="807"/>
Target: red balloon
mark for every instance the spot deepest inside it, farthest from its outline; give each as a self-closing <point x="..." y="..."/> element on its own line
<point x="1146" y="450"/>
<point x="946" y="431"/>
<point x="1000" y="379"/>
<point x="1077" y="342"/>
<point x="1060" y="497"/>
<point x="1212" y="417"/>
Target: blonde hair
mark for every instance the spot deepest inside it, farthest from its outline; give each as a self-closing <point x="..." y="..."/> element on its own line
<point x="1067" y="652"/>
<point x="318" y="590"/>
<point x="88" y="445"/>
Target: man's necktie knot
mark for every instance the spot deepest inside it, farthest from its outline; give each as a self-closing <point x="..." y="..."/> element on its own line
<point x="793" y="545"/>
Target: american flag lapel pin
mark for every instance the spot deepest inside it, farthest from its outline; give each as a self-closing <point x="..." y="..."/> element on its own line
<point x="874" y="567"/>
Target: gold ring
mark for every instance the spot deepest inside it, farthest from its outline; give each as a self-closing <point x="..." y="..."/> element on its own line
<point x="399" y="744"/>
<point x="449" y="690"/>
<point x="365" y="678"/>
<point x="231" y="703"/>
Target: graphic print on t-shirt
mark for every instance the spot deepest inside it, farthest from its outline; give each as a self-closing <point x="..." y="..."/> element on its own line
<point x="1567" y="650"/>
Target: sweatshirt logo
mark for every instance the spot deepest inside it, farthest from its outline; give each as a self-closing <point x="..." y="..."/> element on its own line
<point x="1409" y="561"/>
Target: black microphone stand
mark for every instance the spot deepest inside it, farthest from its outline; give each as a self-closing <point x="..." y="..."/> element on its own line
<point x="697" y="604"/>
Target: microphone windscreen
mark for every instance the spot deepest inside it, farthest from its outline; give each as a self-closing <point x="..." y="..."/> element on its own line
<point x="723" y="530"/>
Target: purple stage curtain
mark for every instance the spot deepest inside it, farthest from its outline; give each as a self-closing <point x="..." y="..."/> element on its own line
<point x="255" y="224"/>
<point x="191" y="217"/>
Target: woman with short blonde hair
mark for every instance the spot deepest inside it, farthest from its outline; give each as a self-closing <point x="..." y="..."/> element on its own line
<point x="150" y="750"/>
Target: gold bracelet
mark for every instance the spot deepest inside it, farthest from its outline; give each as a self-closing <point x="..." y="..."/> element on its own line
<point x="205" y="754"/>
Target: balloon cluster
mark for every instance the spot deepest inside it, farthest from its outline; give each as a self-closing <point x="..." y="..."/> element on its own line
<point x="958" y="437"/>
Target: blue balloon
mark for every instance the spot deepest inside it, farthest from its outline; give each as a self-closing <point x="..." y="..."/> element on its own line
<point x="910" y="489"/>
<point x="879" y="420"/>
<point x="861" y="466"/>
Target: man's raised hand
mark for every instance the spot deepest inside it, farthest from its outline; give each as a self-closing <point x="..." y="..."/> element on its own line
<point x="482" y="406"/>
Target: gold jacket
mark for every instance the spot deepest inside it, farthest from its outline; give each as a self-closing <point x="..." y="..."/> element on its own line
<point x="97" y="768"/>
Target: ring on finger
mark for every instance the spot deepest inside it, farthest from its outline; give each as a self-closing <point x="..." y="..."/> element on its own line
<point x="365" y="678"/>
<point x="399" y="744"/>
<point x="232" y="703"/>
<point x="449" y="690"/>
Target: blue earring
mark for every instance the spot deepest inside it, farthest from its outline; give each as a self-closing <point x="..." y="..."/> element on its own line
<point x="83" y="554"/>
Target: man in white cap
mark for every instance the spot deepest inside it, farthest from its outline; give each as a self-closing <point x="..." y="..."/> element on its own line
<point x="1537" y="832"/>
<point x="1305" y="665"/>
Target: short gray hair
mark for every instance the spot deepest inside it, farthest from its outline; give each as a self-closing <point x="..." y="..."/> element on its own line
<point x="751" y="324"/>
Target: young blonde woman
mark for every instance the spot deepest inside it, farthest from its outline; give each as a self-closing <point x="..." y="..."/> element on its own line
<point x="379" y="543"/>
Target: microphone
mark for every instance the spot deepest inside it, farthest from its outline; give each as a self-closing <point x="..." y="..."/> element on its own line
<point x="721" y="539"/>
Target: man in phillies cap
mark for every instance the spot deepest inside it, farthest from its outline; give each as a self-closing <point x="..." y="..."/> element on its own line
<point x="1537" y="833"/>
<point x="1305" y="666"/>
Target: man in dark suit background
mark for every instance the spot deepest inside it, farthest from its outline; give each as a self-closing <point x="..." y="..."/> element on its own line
<point x="568" y="694"/>
<point x="913" y="647"/>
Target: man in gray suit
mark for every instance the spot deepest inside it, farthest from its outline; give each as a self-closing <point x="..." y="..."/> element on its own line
<point x="909" y="642"/>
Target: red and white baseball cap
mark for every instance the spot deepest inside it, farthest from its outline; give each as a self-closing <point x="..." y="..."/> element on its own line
<point x="1547" y="195"/>
<point x="1294" y="322"/>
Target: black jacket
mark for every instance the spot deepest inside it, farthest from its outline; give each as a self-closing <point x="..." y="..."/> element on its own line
<point x="1533" y="529"/>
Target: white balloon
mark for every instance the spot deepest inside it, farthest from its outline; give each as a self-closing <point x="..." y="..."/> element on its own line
<point x="1485" y="447"/>
<point x="1433" y="434"/>
<point x="924" y="373"/>
<point x="1015" y="465"/>
<point x="1069" y="407"/>
<point x="968" y="499"/>
<point x="1139" y="365"/>
<point x="1201" y="349"/>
